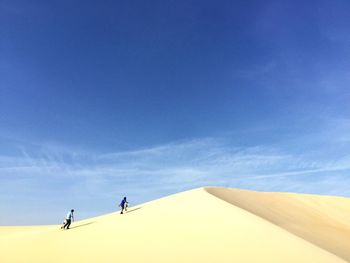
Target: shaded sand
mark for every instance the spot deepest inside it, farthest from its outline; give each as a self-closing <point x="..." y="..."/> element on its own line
<point x="322" y="220"/>
<point x="192" y="226"/>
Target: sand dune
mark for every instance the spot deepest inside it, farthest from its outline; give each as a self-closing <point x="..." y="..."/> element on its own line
<point x="193" y="226"/>
<point x="322" y="220"/>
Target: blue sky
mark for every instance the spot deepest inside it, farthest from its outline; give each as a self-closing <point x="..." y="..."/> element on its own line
<point x="147" y="98"/>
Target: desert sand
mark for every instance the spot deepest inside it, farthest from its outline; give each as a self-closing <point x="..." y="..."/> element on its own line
<point x="210" y="224"/>
<point x="321" y="220"/>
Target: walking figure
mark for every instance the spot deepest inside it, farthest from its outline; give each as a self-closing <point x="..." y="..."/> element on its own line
<point x="123" y="205"/>
<point x="69" y="219"/>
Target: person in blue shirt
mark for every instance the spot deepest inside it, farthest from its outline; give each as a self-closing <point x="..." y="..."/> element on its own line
<point x="69" y="219"/>
<point x="123" y="205"/>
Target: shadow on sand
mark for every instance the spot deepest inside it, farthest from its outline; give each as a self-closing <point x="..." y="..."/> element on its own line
<point x="82" y="225"/>
<point x="132" y="210"/>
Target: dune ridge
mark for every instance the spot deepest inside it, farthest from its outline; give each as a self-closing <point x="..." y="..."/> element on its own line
<point x="192" y="226"/>
<point x="321" y="220"/>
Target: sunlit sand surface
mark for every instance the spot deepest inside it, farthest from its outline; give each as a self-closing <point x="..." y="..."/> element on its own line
<point x="203" y="225"/>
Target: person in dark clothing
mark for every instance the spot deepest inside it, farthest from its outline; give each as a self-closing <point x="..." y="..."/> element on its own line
<point x="123" y="205"/>
<point x="69" y="219"/>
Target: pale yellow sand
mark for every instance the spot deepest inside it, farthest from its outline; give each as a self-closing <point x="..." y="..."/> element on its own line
<point x="193" y="226"/>
<point x="322" y="220"/>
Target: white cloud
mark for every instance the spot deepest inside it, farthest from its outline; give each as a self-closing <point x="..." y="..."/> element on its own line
<point x="90" y="178"/>
<point x="207" y="158"/>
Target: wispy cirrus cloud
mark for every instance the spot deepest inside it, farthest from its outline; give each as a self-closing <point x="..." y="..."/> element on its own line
<point x="92" y="181"/>
<point x="208" y="158"/>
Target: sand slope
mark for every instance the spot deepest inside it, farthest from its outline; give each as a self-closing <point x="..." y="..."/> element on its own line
<point x="322" y="220"/>
<point x="193" y="226"/>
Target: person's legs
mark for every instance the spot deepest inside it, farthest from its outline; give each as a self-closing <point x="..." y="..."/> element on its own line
<point x="67" y="224"/>
<point x="122" y="210"/>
